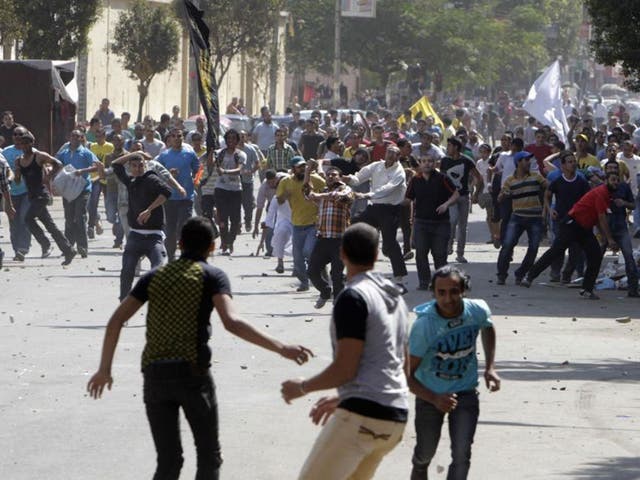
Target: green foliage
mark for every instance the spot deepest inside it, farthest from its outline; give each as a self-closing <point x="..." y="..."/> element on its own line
<point x="383" y="44"/>
<point x="616" y="37"/>
<point x="466" y="42"/>
<point x="237" y="27"/>
<point x="146" y="40"/>
<point x="54" y="29"/>
<point x="9" y="22"/>
<point x="310" y="41"/>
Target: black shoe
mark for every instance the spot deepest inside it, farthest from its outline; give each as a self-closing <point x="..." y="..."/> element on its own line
<point x="525" y="282"/>
<point x="408" y="255"/>
<point x="403" y="289"/>
<point x="302" y="288"/>
<point x="280" y="269"/>
<point x="518" y="281"/>
<point x="47" y="251"/>
<point x="589" y="295"/>
<point x="19" y="257"/>
<point x="554" y="279"/>
<point x="91" y="233"/>
<point x="501" y="281"/>
<point x="633" y="294"/>
<point x="321" y="302"/>
<point x="83" y="252"/>
<point x="1" y="257"/>
<point x="69" y="256"/>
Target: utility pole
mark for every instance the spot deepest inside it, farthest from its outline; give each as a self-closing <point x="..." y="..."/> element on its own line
<point x="336" y="57"/>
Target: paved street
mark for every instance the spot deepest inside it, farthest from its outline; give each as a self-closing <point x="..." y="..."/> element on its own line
<point x="569" y="407"/>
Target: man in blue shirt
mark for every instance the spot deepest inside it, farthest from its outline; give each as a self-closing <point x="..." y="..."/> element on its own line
<point x="623" y="200"/>
<point x="183" y="164"/>
<point x="20" y="235"/>
<point x="444" y="370"/>
<point x="75" y="211"/>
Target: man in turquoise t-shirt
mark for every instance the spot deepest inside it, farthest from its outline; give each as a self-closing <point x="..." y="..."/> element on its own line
<point x="444" y="370"/>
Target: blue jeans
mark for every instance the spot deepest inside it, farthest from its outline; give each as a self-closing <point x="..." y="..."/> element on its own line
<point x="138" y="246"/>
<point x="167" y="389"/>
<point x="111" y="209"/>
<point x="636" y="215"/>
<point x="430" y="237"/>
<point x="462" y="428"/>
<point x="516" y="227"/>
<point x="248" y="202"/>
<point x="20" y="235"/>
<point x="94" y="200"/>
<point x="459" y="217"/>
<point x="620" y="233"/>
<point x="75" y="220"/>
<point x="176" y="212"/>
<point x="325" y="251"/>
<point x="303" y="240"/>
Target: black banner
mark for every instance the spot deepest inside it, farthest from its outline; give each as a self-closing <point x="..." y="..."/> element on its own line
<point x="207" y="88"/>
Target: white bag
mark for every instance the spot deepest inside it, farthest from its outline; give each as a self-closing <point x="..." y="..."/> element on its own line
<point x="68" y="184"/>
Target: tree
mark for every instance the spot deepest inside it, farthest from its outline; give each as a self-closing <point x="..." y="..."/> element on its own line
<point x="54" y="29"/>
<point x="9" y="26"/>
<point x="616" y="36"/>
<point x="310" y="43"/>
<point x="383" y="44"/>
<point x="237" y="27"/>
<point x="146" y="38"/>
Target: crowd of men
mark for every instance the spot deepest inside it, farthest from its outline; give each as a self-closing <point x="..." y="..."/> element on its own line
<point x="330" y="187"/>
<point x="329" y="171"/>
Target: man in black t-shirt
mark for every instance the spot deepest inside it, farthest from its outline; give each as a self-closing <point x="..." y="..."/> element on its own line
<point x="176" y="357"/>
<point x="432" y="193"/>
<point x="566" y="187"/>
<point x="458" y="167"/>
<point x="310" y="140"/>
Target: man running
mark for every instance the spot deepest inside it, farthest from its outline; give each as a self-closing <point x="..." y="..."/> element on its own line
<point x="444" y="370"/>
<point x="30" y="168"/>
<point x="577" y="226"/>
<point x="369" y="336"/>
<point x="177" y="358"/>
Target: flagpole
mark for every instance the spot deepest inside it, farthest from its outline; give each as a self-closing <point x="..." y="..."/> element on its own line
<point x="336" y="57"/>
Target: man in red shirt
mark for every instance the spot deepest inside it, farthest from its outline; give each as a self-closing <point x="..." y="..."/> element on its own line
<point x="378" y="146"/>
<point x="540" y="150"/>
<point x="588" y="212"/>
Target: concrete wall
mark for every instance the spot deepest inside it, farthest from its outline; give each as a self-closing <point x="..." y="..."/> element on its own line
<point x="105" y="77"/>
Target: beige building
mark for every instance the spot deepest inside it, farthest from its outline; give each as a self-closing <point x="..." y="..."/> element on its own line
<point x="99" y="74"/>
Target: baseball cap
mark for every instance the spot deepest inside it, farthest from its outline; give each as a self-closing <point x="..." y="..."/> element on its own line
<point x="297" y="161"/>
<point x="520" y="155"/>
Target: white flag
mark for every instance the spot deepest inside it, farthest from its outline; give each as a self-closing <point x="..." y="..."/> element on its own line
<point x="544" y="101"/>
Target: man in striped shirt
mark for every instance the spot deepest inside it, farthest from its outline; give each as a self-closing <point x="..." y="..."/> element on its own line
<point x="280" y="153"/>
<point x="525" y="189"/>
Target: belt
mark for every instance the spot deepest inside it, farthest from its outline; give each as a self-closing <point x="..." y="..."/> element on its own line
<point x="167" y="369"/>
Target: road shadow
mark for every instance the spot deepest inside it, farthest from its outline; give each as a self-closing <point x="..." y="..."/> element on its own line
<point x="609" y="370"/>
<point x="495" y="423"/>
<point x="618" y="468"/>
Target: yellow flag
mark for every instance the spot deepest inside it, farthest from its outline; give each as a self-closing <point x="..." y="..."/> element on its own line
<point x="423" y="105"/>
